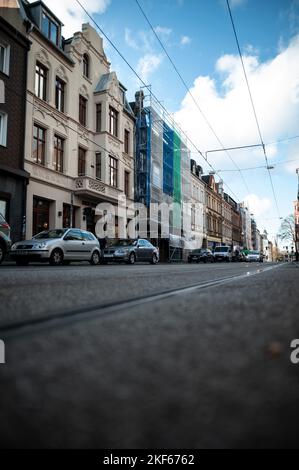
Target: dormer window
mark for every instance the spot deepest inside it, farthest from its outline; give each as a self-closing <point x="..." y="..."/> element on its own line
<point x="86" y="65"/>
<point x="50" y="29"/>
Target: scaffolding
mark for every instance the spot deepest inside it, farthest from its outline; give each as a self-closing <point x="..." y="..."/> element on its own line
<point x="162" y="168"/>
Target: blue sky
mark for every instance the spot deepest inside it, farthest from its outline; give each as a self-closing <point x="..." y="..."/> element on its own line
<point x="199" y="38"/>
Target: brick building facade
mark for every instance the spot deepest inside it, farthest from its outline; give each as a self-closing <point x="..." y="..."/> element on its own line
<point x="14" y="48"/>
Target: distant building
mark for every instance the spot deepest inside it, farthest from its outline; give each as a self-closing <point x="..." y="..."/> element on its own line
<point x="267" y="248"/>
<point x="296" y="214"/>
<point x="246" y="233"/>
<point x="236" y="222"/>
<point x="199" y="206"/>
<point x="214" y="212"/>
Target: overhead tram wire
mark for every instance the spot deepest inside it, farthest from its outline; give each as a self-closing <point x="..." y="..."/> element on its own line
<point x="253" y="106"/>
<point x="153" y="95"/>
<point x="192" y="96"/>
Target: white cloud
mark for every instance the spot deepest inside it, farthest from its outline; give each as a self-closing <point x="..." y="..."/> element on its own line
<point x="148" y="64"/>
<point x="258" y="206"/>
<point x="162" y="30"/>
<point x="185" y="40"/>
<point x="131" y="42"/>
<point x="72" y="15"/>
<point x="237" y="3"/>
<point x="225" y="102"/>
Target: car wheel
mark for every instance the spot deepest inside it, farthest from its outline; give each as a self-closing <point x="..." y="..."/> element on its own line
<point x="2" y="253"/>
<point x="154" y="259"/>
<point x="132" y="258"/>
<point x="22" y="262"/>
<point x="95" y="258"/>
<point x="56" y="257"/>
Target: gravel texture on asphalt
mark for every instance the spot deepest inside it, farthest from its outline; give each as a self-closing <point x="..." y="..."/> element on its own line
<point x="207" y="369"/>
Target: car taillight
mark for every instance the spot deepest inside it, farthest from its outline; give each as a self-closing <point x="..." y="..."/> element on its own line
<point x="5" y="225"/>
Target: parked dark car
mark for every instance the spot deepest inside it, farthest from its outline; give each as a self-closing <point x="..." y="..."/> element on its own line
<point x="203" y="255"/>
<point x="130" y="251"/>
<point x="5" y="241"/>
<point x="58" y="246"/>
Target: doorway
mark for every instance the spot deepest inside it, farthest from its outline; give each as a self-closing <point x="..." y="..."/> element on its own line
<point x="41" y="210"/>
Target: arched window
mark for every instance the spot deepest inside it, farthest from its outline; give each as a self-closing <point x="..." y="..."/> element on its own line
<point x="86" y="65"/>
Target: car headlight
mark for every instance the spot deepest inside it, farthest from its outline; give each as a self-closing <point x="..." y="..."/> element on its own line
<point x="42" y="245"/>
<point x="14" y="246"/>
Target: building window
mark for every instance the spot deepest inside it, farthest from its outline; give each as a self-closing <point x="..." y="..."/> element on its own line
<point x="4" y="58"/>
<point x="98" y="166"/>
<point x="82" y="110"/>
<point x="98" y="117"/>
<point x="3" y="129"/>
<point x="58" y="153"/>
<point x="113" y="163"/>
<point x="127" y="184"/>
<point x="81" y="162"/>
<point x="113" y="121"/>
<point x="50" y="29"/>
<point x="4" y="208"/>
<point x="39" y="144"/>
<point x="127" y="141"/>
<point x="41" y="81"/>
<point x="86" y="65"/>
<point x="59" y="94"/>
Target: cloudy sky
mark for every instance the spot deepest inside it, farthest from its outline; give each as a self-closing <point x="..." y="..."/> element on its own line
<point x="199" y="38"/>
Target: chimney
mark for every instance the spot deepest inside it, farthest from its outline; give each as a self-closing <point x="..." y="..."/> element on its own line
<point x="139" y="100"/>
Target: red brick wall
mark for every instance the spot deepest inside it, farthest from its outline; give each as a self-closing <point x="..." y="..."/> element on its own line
<point x="15" y="100"/>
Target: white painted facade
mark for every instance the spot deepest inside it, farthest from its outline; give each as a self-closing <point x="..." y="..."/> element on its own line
<point x="67" y="187"/>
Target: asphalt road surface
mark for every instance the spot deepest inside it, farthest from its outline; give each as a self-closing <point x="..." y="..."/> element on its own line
<point x="167" y="356"/>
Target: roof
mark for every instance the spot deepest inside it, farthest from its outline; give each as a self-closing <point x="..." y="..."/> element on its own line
<point x="103" y="83"/>
<point x="128" y="108"/>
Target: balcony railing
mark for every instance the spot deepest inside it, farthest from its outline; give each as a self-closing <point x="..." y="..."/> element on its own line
<point x="85" y="185"/>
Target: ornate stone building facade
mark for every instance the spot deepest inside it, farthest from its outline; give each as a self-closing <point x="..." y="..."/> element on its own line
<point x="79" y="127"/>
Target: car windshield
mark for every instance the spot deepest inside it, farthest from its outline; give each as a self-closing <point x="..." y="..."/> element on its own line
<point x="221" y="249"/>
<point x="124" y="243"/>
<point x="50" y="234"/>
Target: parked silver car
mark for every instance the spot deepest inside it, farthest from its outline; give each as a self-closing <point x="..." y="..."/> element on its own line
<point x="254" y="255"/>
<point x="5" y="241"/>
<point x="130" y="251"/>
<point x="58" y="246"/>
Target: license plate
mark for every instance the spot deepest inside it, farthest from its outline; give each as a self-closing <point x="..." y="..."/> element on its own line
<point x="22" y="252"/>
<point x="108" y="256"/>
